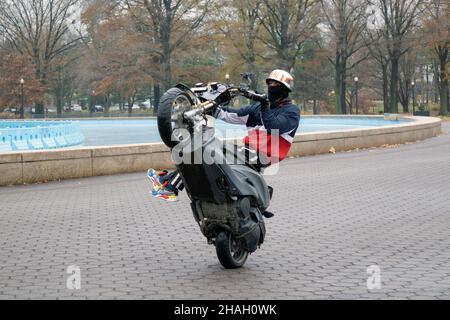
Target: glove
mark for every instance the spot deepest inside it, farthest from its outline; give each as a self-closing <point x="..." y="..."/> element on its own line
<point x="264" y="105"/>
<point x="245" y="93"/>
<point x="262" y="98"/>
<point x="253" y="95"/>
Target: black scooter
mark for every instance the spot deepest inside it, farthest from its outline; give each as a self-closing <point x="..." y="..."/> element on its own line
<point x="229" y="196"/>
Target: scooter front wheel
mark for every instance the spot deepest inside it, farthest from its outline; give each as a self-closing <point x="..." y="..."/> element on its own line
<point x="170" y="115"/>
<point x="231" y="255"/>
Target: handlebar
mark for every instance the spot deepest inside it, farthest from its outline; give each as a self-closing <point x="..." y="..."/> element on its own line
<point x="192" y="113"/>
<point x="250" y="94"/>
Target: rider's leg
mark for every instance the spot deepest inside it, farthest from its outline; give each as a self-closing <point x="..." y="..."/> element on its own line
<point x="172" y="181"/>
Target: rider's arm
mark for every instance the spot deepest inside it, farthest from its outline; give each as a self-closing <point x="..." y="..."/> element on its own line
<point x="284" y="122"/>
<point x="235" y="116"/>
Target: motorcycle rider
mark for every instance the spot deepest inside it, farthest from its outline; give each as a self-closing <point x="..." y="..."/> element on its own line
<point x="277" y="116"/>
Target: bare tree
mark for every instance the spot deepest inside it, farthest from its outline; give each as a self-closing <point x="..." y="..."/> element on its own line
<point x="437" y="33"/>
<point x="168" y="26"/>
<point x="397" y="19"/>
<point x="346" y="20"/>
<point x="40" y="29"/>
<point x="314" y="76"/>
<point x="115" y="59"/>
<point x="377" y="48"/>
<point x="407" y="66"/>
<point x="172" y="24"/>
<point x="288" y="23"/>
<point x="240" y="23"/>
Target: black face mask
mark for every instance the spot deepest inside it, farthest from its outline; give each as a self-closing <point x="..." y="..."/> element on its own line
<point x="275" y="93"/>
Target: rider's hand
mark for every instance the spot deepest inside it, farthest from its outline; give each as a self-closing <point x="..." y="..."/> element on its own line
<point x="262" y="99"/>
<point x="245" y="93"/>
<point x="264" y="105"/>
<point x="250" y="94"/>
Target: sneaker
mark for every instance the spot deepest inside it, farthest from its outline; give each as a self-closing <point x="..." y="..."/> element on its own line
<point x="159" y="190"/>
<point x="165" y="194"/>
<point x="155" y="179"/>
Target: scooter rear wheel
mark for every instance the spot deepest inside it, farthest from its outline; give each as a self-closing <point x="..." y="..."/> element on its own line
<point x="231" y="255"/>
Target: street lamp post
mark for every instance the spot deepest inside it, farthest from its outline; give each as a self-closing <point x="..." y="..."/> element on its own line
<point x="22" y="111"/>
<point x="356" y="93"/>
<point x="413" y="97"/>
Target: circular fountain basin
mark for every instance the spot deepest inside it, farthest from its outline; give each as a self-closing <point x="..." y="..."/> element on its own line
<point x="39" y="135"/>
<point x="103" y="132"/>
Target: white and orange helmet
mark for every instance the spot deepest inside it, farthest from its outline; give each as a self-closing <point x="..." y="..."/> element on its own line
<point x="283" y="77"/>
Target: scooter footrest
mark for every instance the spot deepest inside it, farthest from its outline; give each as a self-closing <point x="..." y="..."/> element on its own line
<point x="268" y="214"/>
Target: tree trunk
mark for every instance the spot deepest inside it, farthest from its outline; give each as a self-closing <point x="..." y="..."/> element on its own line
<point x="107" y="104"/>
<point x="255" y="81"/>
<point x="443" y="88"/>
<point x="386" y="105"/>
<point x="91" y="105"/>
<point x="165" y="58"/>
<point x="337" y="95"/>
<point x="255" y="78"/>
<point x="406" y="104"/>
<point x="284" y="61"/>
<point x="39" y="107"/>
<point x="436" y="82"/>
<point x="39" y="110"/>
<point x="394" y="85"/>
<point x="130" y="106"/>
<point x="444" y="103"/>
<point x="404" y="90"/>
<point x="351" y="100"/>
<point x="167" y="70"/>
<point x="340" y="103"/>
<point x="156" y="97"/>
<point x="340" y="85"/>
<point x="427" y="92"/>
<point x="250" y="59"/>
<point x="343" y="91"/>
<point x="59" y="104"/>
<point x="315" y="107"/>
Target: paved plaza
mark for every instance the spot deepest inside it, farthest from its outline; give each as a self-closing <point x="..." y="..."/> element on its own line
<point x="335" y="216"/>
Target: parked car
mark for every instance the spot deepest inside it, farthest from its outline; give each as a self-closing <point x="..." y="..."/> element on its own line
<point x="76" y="108"/>
<point x="114" y="108"/>
<point x="11" y="109"/>
<point x="145" y="105"/>
<point x="98" y="108"/>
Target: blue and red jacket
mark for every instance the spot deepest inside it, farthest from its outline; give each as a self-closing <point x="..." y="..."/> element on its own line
<point x="262" y="126"/>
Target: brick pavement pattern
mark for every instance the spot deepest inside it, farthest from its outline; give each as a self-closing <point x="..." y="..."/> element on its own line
<point x="336" y="215"/>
